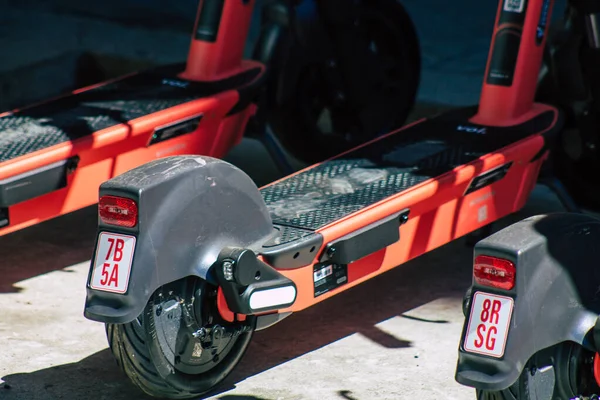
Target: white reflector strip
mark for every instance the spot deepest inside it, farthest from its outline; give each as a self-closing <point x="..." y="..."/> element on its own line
<point x="272" y="297"/>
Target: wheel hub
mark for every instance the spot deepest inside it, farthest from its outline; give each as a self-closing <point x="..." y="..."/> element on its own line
<point x="189" y="329"/>
<point x="350" y="107"/>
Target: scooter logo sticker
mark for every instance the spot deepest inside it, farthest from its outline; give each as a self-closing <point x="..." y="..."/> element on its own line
<point x="487" y="178"/>
<point x="472" y="129"/>
<point x="175" y="83"/>
<point x="112" y="264"/>
<point x="541" y="28"/>
<point x="515" y="6"/>
<point x="482" y="213"/>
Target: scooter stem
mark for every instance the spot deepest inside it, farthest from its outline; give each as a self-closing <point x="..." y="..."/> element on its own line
<point x="219" y="39"/>
<point x="514" y="61"/>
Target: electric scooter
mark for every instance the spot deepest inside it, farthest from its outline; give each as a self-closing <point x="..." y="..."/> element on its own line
<point x="192" y="257"/>
<point x="54" y="155"/>
<point x="531" y="326"/>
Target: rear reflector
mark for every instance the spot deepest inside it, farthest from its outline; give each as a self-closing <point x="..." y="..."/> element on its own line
<point x="268" y="298"/>
<point x="118" y="211"/>
<point x="494" y="272"/>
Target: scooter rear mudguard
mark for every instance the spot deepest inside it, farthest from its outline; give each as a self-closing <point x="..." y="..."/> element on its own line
<point x="556" y="295"/>
<point x="189" y="209"/>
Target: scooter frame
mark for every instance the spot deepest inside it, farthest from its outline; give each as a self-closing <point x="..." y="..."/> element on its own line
<point x="506" y="101"/>
<point x="550" y="325"/>
<point x="441" y="207"/>
<point x="267" y="263"/>
<point x="103" y="130"/>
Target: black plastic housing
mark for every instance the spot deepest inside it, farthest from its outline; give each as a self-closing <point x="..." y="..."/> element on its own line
<point x="190" y="208"/>
<point x="557" y="259"/>
<point x="35" y="183"/>
<point x="365" y="241"/>
<point x="250" y="275"/>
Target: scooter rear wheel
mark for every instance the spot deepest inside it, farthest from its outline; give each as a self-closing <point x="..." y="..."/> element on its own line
<point x="576" y="165"/>
<point x="562" y="372"/>
<point x="333" y="100"/>
<point x="179" y="347"/>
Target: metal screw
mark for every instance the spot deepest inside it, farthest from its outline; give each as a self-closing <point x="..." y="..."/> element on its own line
<point x="403" y="218"/>
<point x="158" y="310"/>
<point x="331" y="252"/>
<point x="217" y="332"/>
<point x="200" y="334"/>
<point x="72" y="164"/>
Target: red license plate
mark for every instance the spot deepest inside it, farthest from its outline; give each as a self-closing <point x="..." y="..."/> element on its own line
<point x="112" y="264"/>
<point x="489" y="324"/>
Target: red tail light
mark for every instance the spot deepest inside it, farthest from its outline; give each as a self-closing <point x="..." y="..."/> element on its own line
<point x="118" y="211"/>
<point x="494" y="272"/>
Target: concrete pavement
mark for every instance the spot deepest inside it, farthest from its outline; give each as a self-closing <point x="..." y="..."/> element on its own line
<point x="393" y="337"/>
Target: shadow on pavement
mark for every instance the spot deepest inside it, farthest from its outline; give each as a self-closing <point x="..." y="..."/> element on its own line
<point x="346" y="394"/>
<point x="94" y="377"/>
<point x="357" y="310"/>
<point x="47" y="247"/>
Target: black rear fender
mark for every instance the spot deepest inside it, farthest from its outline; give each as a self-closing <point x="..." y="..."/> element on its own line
<point x="190" y="208"/>
<point x="556" y="293"/>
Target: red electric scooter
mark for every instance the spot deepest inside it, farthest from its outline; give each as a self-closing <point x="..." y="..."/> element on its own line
<point x="54" y="155"/>
<point x="531" y="315"/>
<point x="192" y="258"/>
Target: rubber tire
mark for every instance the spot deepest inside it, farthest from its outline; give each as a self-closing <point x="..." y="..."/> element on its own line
<point x="579" y="178"/>
<point x="564" y="376"/>
<point x="133" y="351"/>
<point x="291" y="128"/>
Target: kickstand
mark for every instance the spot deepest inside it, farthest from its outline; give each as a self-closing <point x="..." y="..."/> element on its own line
<point x="554" y="184"/>
<point x="259" y="128"/>
<point x="276" y="150"/>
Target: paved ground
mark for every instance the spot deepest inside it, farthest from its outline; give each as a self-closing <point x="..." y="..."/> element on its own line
<point x="394" y="337"/>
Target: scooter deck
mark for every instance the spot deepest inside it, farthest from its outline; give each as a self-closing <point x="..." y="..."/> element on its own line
<point x="54" y="155"/>
<point x="451" y="176"/>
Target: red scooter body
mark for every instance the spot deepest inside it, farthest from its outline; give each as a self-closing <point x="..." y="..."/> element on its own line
<point x="196" y="231"/>
<point x="54" y="155"/>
